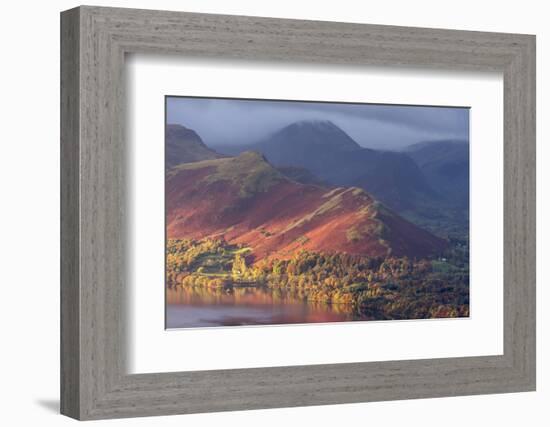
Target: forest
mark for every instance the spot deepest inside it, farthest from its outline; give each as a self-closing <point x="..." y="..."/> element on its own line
<point x="389" y="288"/>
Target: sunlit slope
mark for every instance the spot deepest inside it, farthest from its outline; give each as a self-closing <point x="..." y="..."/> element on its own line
<point x="245" y="200"/>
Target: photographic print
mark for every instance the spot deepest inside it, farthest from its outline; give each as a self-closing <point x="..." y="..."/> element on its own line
<point x="293" y="212"/>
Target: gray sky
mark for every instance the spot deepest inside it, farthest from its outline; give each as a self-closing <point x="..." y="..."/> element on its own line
<point x="389" y="127"/>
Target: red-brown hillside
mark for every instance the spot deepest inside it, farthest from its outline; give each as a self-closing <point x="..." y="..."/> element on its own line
<point x="245" y="200"/>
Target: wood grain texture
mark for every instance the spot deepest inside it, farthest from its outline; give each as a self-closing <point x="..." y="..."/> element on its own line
<point x="70" y="259"/>
<point x="94" y="235"/>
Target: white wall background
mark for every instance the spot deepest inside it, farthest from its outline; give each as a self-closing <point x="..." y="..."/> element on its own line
<point x="29" y="225"/>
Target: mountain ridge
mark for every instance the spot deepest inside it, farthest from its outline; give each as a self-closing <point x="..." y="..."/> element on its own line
<point x="246" y="200"/>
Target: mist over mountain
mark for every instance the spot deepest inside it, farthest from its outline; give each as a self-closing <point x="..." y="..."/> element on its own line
<point x="223" y="122"/>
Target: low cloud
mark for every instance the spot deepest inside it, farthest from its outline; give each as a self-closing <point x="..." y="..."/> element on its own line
<point x="390" y="127"/>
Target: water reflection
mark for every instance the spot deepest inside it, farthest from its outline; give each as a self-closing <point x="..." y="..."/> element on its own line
<point x="204" y="307"/>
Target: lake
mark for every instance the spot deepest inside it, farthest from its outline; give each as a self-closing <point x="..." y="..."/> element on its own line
<point x="204" y="307"/>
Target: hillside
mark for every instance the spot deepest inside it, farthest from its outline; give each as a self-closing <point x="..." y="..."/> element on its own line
<point x="183" y="145"/>
<point x="245" y="200"/>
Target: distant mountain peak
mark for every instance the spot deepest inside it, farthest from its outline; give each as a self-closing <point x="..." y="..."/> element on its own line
<point x="314" y="133"/>
<point x="184" y="145"/>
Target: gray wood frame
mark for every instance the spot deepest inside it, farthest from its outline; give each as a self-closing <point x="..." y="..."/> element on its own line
<point x="94" y="41"/>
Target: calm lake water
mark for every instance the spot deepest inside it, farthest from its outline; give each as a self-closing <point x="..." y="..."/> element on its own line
<point x="199" y="307"/>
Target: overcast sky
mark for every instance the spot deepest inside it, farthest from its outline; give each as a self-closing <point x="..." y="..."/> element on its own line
<point x="389" y="127"/>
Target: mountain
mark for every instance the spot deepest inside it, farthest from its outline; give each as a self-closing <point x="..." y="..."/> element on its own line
<point x="246" y="200"/>
<point x="299" y="140"/>
<point x="329" y="153"/>
<point x="445" y="164"/>
<point x="183" y="145"/>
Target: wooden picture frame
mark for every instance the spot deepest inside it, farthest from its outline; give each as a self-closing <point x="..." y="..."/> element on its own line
<point x="94" y="382"/>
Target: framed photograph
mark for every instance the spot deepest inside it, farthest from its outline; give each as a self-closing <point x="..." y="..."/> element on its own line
<point x="300" y="223"/>
<point x="262" y="213"/>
